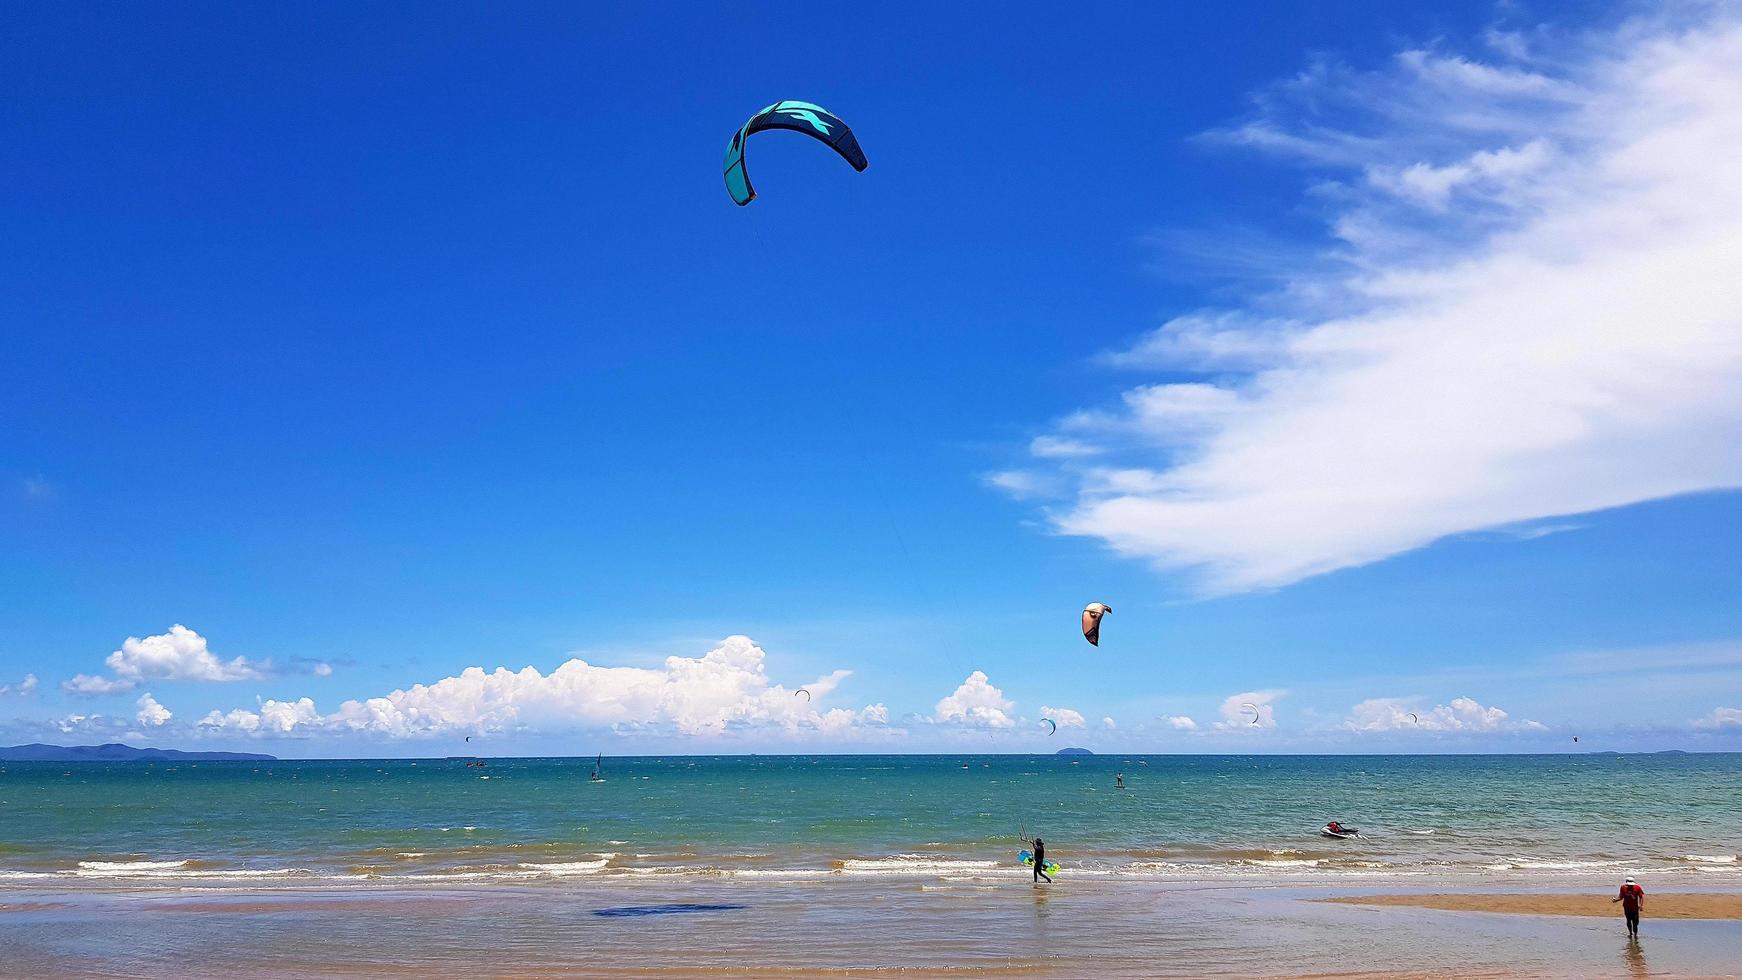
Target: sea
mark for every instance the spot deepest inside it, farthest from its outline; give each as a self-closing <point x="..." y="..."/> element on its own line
<point x="855" y="865"/>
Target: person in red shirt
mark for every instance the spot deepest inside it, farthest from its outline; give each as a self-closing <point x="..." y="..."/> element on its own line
<point x="1632" y="899"/>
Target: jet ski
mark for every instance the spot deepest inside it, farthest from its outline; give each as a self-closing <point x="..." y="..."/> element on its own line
<point x="1339" y="831"/>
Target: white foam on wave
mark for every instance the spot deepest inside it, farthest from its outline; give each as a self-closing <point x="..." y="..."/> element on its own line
<point x="1519" y="864"/>
<point x="1710" y="858"/>
<point x="912" y="864"/>
<point x="560" y="868"/>
<point x="128" y="867"/>
<point x="173" y="869"/>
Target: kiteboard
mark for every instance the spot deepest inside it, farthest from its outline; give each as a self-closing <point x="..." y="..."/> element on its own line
<point x="1027" y="859"/>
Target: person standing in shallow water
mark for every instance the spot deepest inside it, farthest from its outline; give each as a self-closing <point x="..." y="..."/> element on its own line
<point x="1632" y="899"/>
<point x="1039" y="847"/>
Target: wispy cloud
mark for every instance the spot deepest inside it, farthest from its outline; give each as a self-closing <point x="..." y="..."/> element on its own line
<point x="1532" y="310"/>
<point x="1721" y="718"/>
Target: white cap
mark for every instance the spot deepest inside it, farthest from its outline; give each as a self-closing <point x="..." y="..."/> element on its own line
<point x="1629" y="881"/>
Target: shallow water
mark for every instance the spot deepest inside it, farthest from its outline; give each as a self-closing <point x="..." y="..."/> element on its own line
<point x="796" y="818"/>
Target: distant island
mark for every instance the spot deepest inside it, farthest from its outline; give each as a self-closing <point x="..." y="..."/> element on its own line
<point x="1073" y="751"/>
<point x="116" y="752"/>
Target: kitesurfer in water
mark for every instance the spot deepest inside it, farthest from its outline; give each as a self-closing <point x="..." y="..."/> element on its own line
<point x="1119" y="781"/>
<point x="1039" y="847"/>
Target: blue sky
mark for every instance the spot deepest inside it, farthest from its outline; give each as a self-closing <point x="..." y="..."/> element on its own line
<point x="1366" y="358"/>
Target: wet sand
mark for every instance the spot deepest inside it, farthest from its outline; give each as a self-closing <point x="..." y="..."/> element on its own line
<point x="1657" y="906"/>
<point x="993" y="926"/>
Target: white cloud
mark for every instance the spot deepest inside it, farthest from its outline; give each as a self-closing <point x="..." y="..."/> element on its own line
<point x="1023" y="484"/>
<point x="725" y="689"/>
<point x="1065" y="717"/>
<point x="1108" y="723"/>
<point x="151" y="714"/>
<point x="1721" y="718"/>
<point x="1531" y="310"/>
<point x="273" y="717"/>
<point x="23" y="687"/>
<point x="1238" y="709"/>
<point x="92" y="686"/>
<point x="1462" y="715"/>
<point x="1056" y="447"/>
<point x="1182" y="723"/>
<point x="178" y="655"/>
<point x="322" y="670"/>
<point x="976" y="703"/>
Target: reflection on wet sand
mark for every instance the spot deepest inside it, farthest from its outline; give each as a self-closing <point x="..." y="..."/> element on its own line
<point x="1634" y="956"/>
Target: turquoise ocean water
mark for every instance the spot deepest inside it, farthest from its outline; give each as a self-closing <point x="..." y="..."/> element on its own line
<point x="802" y="818"/>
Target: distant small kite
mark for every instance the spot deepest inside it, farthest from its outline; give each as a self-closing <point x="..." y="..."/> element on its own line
<point x="1054" y="726"/>
<point x="1254" y="707"/>
<point x="1414" y="718"/>
<point x="1092" y="614"/>
<point x="807" y="694"/>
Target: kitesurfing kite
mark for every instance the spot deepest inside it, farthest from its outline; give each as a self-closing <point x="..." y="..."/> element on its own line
<point x="1414" y="718"/>
<point x="1092" y="614"/>
<point x="807" y="694"/>
<point x="1254" y="707"/>
<point x="1054" y="730"/>
<point x="803" y="117"/>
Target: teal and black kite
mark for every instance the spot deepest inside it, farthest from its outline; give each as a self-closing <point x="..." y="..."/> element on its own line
<point x="803" y="117"/>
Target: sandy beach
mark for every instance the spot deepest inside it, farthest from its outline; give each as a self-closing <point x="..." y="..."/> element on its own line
<point x="1665" y="906"/>
<point x="907" y="926"/>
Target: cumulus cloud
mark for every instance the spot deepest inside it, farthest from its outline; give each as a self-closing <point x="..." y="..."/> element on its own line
<point x="1182" y="723"/>
<point x="1529" y="308"/>
<point x="25" y="686"/>
<point x="1462" y="715"/>
<point x="1237" y="717"/>
<point x="272" y="717"/>
<point x="1721" y="718"/>
<point x="151" y="714"/>
<point x="178" y="655"/>
<point x="1065" y="717"/>
<point x="89" y="685"/>
<point x="976" y="703"/>
<point x="725" y="689"/>
<point x="1108" y="723"/>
